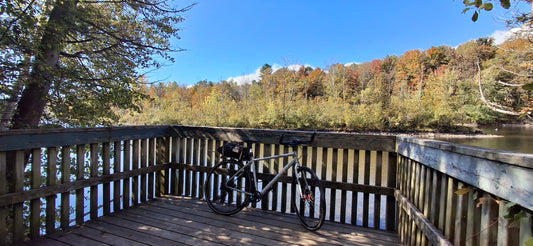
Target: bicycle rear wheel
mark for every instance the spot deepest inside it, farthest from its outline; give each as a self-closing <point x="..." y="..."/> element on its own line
<point x="225" y="187"/>
<point x="308" y="201"/>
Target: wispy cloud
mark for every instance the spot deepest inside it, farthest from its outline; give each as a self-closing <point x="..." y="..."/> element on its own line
<point x="248" y="78"/>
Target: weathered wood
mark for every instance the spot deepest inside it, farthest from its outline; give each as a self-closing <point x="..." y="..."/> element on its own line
<point x="476" y="166"/>
<point x="4" y="211"/>
<point x="35" y="204"/>
<point x="135" y="193"/>
<point x="179" y="220"/>
<point x="13" y="198"/>
<point x="42" y="138"/>
<point x="65" y="180"/>
<point x="143" y="163"/>
<point x="126" y="164"/>
<point x="18" y="209"/>
<point x="106" y="166"/>
<point x="80" y="193"/>
<point x="93" y="201"/>
<point x="322" y="139"/>
<point x="433" y="234"/>
<point x="390" y="213"/>
<point x="117" y="164"/>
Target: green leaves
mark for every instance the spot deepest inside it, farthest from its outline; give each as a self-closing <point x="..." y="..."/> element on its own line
<point x="528" y="87"/>
<point x="506" y="4"/>
<point x="475" y="16"/>
<point x="482" y="5"/>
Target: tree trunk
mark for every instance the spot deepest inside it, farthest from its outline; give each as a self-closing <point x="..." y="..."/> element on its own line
<point x="34" y="97"/>
<point x="35" y="94"/>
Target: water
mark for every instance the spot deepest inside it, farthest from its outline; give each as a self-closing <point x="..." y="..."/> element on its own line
<point x="517" y="138"/>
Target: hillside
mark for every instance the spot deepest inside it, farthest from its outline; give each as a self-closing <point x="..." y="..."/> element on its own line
<point x="439" y="89"/>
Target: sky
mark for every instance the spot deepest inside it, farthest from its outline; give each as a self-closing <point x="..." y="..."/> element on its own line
<point x="232" y="39"/>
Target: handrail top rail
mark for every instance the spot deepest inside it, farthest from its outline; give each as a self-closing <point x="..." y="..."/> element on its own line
<point x="39" y="138"/>
<point x="504" y="156"/>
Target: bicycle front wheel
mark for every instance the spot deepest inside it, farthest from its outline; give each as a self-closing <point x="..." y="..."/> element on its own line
<point x="308" y="201"/>
<point x="227" y="187"/>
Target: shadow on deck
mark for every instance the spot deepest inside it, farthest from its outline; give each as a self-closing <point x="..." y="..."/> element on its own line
<point x="177" y="220"/>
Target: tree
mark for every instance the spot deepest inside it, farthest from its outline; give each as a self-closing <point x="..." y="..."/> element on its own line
<point x="76" y="59"/>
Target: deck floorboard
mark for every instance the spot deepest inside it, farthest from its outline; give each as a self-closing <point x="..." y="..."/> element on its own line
<point x="177" y="220"/>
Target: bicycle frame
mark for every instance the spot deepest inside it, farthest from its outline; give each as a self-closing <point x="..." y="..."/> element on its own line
<point x="251" y="163"/>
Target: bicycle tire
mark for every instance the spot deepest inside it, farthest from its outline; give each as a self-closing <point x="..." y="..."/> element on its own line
<point x="225" y="197"/>
<point x="308" y="191"/>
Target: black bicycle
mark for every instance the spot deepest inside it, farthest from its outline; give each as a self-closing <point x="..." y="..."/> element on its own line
<point x="232" y="184"/>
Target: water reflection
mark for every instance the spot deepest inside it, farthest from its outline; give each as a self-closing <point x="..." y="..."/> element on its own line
<point x="513" y="138"/>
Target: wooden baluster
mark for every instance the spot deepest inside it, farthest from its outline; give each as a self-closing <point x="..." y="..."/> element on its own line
<point x="65" y="178"/>
<point x="4" y="211"/>
<point x="144" y="164"/>
<point x="94" y="189"/>
<point x="117" y="166"/>
<point x="106" y="188"/>
<point x="35" y="204"/>
<point x="126" y="167"/>
<point x="80" y="193"/>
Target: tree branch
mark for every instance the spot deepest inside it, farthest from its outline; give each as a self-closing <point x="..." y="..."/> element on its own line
<point x="496" y="107"/>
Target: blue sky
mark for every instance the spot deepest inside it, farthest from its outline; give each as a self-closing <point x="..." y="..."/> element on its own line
<point x="230" y="38"/>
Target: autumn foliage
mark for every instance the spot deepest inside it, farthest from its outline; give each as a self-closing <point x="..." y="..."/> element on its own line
<point x="421" y="90"/>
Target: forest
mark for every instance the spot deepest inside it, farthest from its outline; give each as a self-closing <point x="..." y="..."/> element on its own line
<point x="440" y="89"/>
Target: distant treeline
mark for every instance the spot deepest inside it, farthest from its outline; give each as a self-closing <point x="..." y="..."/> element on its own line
<point x="421" y="90"/>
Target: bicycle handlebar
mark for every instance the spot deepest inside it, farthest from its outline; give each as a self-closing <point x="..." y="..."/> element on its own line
<point x="292" y="142"/>
<point x="296" y="141"/>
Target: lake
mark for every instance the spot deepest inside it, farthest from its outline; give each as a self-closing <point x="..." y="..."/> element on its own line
<point x="517" y="138"/>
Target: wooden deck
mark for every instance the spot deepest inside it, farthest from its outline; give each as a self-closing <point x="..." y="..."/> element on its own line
<point x="176" y="220"/>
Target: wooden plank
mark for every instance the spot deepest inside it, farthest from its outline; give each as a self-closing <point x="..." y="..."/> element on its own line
<point x="162" y="157"/>
<point x="4" y="211"/>
<point x="144" y="163"/>
<point x="435" y="194"/>
<point x="355" y="175"/>
<point x="126" y="181"/>
<point x="42" y="138"/>
<point x="473" y="221"/>
<point x="461" y="217"/>
<point x="322" y="139"/>
<point x="135" y="157"/>
<point x="479" y="170"/>
<point x="151" y="176"/>
<point x="80" y="175"/>
<point x="11" y="198"/>
<point x="366" y="181"/>
<point x="489" y="219"/>
<point x="526" y="228"/>
<point x="65" y="179"/>
<point x="181" y="159"/>
<point x="377" y="198"/>
<point x="507" y="234"/>
<point x="433" y="234"/>
<point x="174" y="178"/>
<point x="117" y="164"/>
<point x="18" y="209"/>
<point x="204" y="155"/>
<point x="390" y="207"/>
<point x="106" y="166"/>
<point x="449" y="228"/>
<point x="332" y="165"/>
<point x="94" y="188"/>
<point x="344" y="159"/>
<point x="442" y="202"/>
<point x="268" y="150"/>
<point x="35" y="204"/>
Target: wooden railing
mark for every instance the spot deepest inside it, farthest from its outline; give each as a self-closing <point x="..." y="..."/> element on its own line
<point x="430" y="192"/>
<point x="460" y="195"/>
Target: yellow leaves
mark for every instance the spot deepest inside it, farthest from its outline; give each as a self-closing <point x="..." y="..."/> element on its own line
<point x="463" y="191"/>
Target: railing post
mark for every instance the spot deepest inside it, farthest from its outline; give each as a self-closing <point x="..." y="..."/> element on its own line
<point x="162" y="157"/>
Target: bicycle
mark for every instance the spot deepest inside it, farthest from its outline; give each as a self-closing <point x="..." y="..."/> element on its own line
<point x="234" y="183"/>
